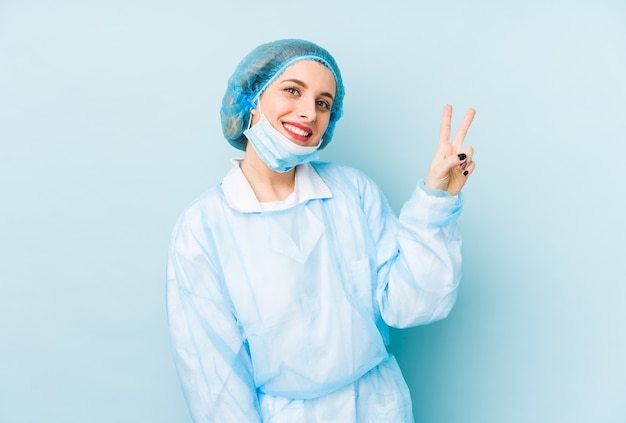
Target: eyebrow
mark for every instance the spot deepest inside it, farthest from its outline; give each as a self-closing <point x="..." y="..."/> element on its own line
<point x="302" y="84"/>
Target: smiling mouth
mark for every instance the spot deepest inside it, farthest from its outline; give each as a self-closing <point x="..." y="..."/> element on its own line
<point x="297" y="130"/>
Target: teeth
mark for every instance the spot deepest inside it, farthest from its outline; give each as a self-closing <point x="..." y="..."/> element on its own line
<point x="297" y="131"/>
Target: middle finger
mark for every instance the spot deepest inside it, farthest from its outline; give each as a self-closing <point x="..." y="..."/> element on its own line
<point x="460" y="134"/>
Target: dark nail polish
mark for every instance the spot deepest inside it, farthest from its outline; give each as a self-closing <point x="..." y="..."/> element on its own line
<point x="462" y="156"/>
<point x="463" y="165"/>
<point x="465" y="173"/>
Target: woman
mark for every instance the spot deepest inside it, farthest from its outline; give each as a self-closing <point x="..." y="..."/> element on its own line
<point x="283" y="279"/>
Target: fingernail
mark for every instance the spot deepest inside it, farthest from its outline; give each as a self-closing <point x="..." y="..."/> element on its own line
<point x="462" y="156"/>
<point x="463" y="165"/>
<point x="465" y="173"/>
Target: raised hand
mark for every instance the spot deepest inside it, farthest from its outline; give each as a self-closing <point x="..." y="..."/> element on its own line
<point x="452" y="164"/>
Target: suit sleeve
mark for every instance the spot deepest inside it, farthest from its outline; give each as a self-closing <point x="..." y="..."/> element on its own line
<point x="418" y="255"/>
<point x="212" y="359"/>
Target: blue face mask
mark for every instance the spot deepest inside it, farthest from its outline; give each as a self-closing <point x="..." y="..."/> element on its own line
<point x="276" y="151"/>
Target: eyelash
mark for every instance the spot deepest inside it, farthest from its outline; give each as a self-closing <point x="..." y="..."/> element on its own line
<point x="321" y="103"/>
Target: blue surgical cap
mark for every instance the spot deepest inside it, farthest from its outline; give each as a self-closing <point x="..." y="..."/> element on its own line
<point x="257" y="71"/>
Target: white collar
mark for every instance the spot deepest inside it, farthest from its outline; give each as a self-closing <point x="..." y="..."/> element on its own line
<point x="240" y="196"/>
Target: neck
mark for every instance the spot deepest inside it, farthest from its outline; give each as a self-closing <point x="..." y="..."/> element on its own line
<point x="266" y="184"/>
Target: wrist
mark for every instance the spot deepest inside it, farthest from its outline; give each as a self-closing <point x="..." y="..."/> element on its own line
<point x="436" y="184"/>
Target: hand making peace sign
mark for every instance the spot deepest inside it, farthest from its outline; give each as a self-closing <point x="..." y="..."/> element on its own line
<point x="452" y="164"/>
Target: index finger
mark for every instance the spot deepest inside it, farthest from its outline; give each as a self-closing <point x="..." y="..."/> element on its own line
<point x="459" y="136"/>
<point x="444" y="129"/>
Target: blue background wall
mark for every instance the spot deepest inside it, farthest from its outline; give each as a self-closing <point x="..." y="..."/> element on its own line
<point x="109" y="128"/>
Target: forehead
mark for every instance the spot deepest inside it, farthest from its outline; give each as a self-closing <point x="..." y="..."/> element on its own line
<point x="314" y="74"/>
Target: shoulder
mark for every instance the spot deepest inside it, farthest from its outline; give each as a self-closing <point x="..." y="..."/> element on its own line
<point x="338" y="173"/>
<point x="350" y="183"/>
<point x="198" y="217"/>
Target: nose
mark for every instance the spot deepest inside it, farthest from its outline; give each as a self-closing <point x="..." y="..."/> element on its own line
<point x="307" y="110"/>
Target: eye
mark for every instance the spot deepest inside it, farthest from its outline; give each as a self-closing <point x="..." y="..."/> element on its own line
<point x="323" y="104"/>
<point x="292" y="90"/>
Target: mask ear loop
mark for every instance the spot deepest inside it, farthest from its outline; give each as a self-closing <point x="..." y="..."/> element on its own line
<point x="258" y="107"/>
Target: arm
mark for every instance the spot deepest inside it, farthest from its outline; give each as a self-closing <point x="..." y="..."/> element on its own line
<point x="212" y="361"/>
<point x="420" y="259"/>
<point x="420" y="254"/>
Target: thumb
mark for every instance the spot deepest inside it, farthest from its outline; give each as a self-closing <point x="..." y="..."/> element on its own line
<point x="439" y="175"/>
<point x="444" y="167"/>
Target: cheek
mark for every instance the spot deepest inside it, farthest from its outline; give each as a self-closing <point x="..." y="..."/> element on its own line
<point x="323" y="123"/>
